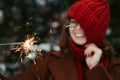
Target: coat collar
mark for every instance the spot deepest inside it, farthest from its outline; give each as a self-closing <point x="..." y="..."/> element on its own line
<point x="63" y="68"/>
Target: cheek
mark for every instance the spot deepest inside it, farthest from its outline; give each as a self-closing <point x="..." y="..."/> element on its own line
<point x="71" y="33"/>
<point x="77" y="40"/>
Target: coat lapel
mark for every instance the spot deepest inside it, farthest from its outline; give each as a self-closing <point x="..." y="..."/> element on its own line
<point x="64" y="68"/>
<point x="114" y="61"/>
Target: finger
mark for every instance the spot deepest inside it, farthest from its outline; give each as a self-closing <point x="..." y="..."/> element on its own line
<point x="88" y="52"/>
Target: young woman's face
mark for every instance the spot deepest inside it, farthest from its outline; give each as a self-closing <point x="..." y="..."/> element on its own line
<point x="76" y="32"/>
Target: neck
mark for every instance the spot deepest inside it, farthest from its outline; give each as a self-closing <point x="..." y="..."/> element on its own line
<point x="77" y="51"/>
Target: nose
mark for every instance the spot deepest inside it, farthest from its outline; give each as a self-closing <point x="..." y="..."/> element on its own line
<point x="78" y="27"/>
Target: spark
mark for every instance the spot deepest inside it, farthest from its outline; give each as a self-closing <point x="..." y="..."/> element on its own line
<point x="50" y="31"/>
<point x="28" y="50"/>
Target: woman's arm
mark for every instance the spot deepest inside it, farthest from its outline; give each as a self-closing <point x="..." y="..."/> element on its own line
<point x="33" y="72"/>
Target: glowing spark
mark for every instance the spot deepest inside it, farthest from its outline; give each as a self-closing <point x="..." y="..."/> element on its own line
<point x="50" y="30"/>
<point x="27" y="50"/>
<point x="28" y="45"/>
<point x="27" y="23"/>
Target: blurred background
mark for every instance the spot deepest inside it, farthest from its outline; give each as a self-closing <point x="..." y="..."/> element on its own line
<point x="44" y="19"/>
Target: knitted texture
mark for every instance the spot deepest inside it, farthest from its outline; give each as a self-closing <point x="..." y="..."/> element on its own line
<point x="93" y="16"/>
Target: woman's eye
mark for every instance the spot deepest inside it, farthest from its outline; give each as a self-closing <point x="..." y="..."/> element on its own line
<point x="72" y="24"/>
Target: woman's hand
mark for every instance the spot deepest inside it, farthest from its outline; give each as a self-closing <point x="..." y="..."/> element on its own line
<point x="93" y="55"/>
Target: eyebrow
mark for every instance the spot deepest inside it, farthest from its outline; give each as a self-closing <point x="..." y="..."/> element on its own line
<point x="71" y="19"/>
<point x="74" y="21"/>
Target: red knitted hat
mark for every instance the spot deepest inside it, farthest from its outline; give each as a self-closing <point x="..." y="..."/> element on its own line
<point x="94" y="18"/>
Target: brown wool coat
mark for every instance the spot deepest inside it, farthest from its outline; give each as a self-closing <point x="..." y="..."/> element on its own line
<point x="56" y="66"/>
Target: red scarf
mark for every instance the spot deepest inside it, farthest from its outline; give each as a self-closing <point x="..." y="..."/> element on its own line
<point x="78" y="54"/>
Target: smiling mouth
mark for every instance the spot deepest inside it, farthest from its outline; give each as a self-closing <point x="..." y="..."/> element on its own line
<point x="79" y="35"/>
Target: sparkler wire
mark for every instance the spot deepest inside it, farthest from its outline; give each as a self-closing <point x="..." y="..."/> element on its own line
<point x="14" y="43"/>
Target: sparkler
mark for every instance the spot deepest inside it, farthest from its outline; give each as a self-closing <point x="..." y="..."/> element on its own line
<point x="27" y="49"/>
<point x="14" y="43"/>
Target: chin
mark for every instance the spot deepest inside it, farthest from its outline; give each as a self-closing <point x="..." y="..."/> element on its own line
<point x="80" y="42"/>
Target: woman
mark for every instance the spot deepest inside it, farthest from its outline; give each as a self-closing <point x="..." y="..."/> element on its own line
<point x="84" y="55"/>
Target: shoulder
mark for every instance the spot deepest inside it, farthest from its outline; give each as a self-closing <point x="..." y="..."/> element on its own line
<point x="42" y="63"/>
<point x="48" y="57"/>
